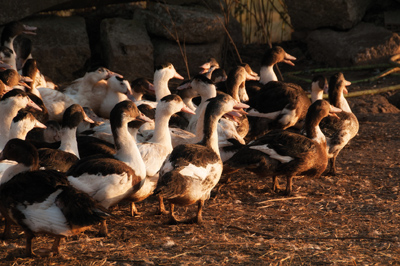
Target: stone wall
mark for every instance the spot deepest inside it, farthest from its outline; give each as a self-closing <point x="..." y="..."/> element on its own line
<point x="128" y="38"/>
<point x="345" y="33"/>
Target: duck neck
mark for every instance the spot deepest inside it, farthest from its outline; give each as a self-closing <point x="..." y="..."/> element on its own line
<point x="19" y="131"/>
<point x="314" y="132"/>
<point x="316" y="94"/>
<point x="161" y="131"/>
<point x="208" y="94"/>
<point x="137" y="95"/>
<point x="127" y="150"/>
<point x="267" y="74"/>
<point x="68" y="141"/>
<point x="13" y="170"/>
<point x="8" y="110"/>
<point x="233" y="87"/>
<point x="338" y="100"/>
<point x="161" y="85"/>
<point x="189" y="103"/>
<point x="210" y="133"/>
<point x="88" y="82"/>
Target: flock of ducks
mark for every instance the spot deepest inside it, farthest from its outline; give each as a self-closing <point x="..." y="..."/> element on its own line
<point x="68" y="155"/>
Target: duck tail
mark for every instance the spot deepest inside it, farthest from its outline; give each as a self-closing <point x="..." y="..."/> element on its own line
<point x="79" y="208"/>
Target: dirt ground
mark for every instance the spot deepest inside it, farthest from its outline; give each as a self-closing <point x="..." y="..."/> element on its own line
<point x="352" y="218"/>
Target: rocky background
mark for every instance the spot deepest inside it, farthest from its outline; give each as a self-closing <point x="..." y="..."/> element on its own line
<point x="131" y="37"/>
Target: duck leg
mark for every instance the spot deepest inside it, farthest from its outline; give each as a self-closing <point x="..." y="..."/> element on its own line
<point x="172" y="219"/>
<point x="332" y="165"/>
<point x="28" y="247"/>
<point x="134" y="210"/>
<point x="161" y="206"/>
<point x="103" y="232"/>
<point x="199" y="217"/>
<point x="275" y="186"/>
<point x="289" y="184"/>
<point x="7" y="229"/>
<point x="56" y="245"/>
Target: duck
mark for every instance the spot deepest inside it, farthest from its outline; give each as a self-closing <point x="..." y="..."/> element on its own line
<point x="67" y="154"/>
<point x="207" y="90"/>
<point x="285" y="153"/>
<point x="110" y="179"/>
<point x="141" y="87"/>
<point x="31" y="71"/>
<point x="209" y="67"/>
<point x="117" y="90"/>
<point x="10" y="104"/>
<point x="235" y="86"/>
<point x="82" y="91"/>
<point x="271" y="57"/>
<point x="277" y="105"/>
<point x="23" y="123"/>
<point x="155" y="150"/>
<point x="10" y="31"/>
<point x="5" y="55"/>
<point x="42" y="201"/>
<point x="338" y="132"/>
<point x="191" y="171"/>
<point x="162" y="74"/>
<point x="50" y="134"/>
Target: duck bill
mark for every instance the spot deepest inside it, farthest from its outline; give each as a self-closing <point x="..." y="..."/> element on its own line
<point x="39" y="124"/>
<point x="143" y="118"/>
<point x="87" y="119"/>
<point x="23" y="84"/>
<point x="287" y="59"/>
<point x="333" y="110"/>
<point x="151" y="89"/>
<point x="252" y="77"/>
<point x="205" y="68"/>
<point x="4" y="65"/>
<point x="240" y="105"/>
<point x="232" y="115"/>
<point x="177" y="76"/>
<point x="112" y="74"/>
<point x="29" y="30"/>
<point x="187" y="110"/>
<point x="34" y="105"/>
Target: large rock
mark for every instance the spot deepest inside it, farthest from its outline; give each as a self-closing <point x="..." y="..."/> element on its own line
<point x="364" y="44"/>
<point x="197" y="54"/>
<point x="189" y="24"/>
<point x="315" y="14"/>
<point x="127" y="48"/>
<point x="214" y="5"/>
<point x="61" y="46"/>
<point x="17" y="10"/>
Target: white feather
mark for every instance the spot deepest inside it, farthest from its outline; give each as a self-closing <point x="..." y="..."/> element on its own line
<point x="272" y="153"/>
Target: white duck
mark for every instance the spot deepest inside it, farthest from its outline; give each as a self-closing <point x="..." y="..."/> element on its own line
<point x="85" y="94"/>
<point x="155" y="150"/>
<point x="118" y="90"/>
<point x="162" y="75"/>
<point x="10" y="104"/>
